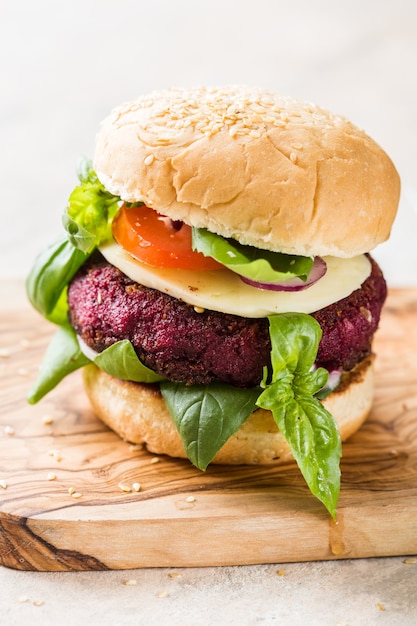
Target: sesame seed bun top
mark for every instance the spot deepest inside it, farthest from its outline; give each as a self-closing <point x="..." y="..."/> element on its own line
<point x="266" y="170"/>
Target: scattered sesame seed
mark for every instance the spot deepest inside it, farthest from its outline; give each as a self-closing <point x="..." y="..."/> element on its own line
<point x="190" y="499"/>
<point x="130" y="582"/>
<point x="174" y="575"/>
<point x="380" y="606"/>
<point x="71" y="490"/>
<point x="38" y="602"/>
<point x="9" y="431"/>
<point x="23" y="371"/>
<point x="4" y="354"/>
<point x="293" y="157"/>
<point x="155" y="459"/>
<point x="55" y="454"/>
<point x="198" y="309"/>
<point x="51" y="476"/>
<point x="47" y="420"/>
<point x="23" y="599"/>
<point x="410" y="561"/>
<point x="163" y="594"/>
<point x="77" y="495"/>
<point x="3" y="484"/>
<point x="135" y="447"/>
<point x="124" y="487"/>
<point x="136" y="487"/>
<point x="280" y="572"/>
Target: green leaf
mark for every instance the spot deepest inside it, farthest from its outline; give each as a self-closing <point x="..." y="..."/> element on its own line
<point x="48" y="279"/>
<point x="206" y="416"/>
<point x="253" y="263"/>
<point x="63" y="356"/>
<point x="308" y="427"/>
<point x="90" y="211"/>
<point x="120" y="360"/>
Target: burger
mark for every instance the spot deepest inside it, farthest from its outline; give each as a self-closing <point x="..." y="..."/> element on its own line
<point x="213" y="279"/>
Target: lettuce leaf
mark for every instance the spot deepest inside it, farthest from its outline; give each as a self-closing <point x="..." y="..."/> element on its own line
<point x="253" y="263"/>
<point x="90" y="211"/>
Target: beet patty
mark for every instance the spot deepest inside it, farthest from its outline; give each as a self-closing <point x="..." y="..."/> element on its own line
<point x="186" y="345"/>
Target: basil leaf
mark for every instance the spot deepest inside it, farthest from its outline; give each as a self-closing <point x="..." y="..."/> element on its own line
<point x="120" y="360"/>
<point x="48" y="279"/>
<point x="253" y="263"/>
<point x="308" y="427"/>
<point x="63" y="356"/>
<point x="90" y="211"/>
<point x="207" y="415"/>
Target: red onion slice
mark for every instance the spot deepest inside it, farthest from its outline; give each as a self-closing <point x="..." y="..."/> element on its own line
<point x="293" y="284"/>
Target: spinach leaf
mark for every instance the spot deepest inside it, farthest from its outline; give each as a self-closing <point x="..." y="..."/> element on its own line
<point x="253" y="263"/>
<point x="207" y="415"/>
<point x="63" y="356"/>
<point x="47" y="281"/>
<point x="120" y="360"/>
<point x="308" y="427"/>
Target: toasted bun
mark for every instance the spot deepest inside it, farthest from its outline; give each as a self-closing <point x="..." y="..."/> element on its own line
<point x="138" y="414"/>
<point x="269" y="171"/>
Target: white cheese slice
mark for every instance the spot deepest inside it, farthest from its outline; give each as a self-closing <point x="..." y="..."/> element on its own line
<point x="224" y="291"/>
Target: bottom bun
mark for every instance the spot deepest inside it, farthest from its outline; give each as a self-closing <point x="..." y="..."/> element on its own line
<point x="138" y="414"/>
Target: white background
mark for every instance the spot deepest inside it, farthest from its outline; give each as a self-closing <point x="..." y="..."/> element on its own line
<point x="64" y="66"/>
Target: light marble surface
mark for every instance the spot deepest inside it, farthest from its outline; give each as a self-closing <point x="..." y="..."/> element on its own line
<point x="63" y="67"/>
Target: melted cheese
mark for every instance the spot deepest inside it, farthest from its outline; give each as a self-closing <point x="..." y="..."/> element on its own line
<point x="224" y="291"/>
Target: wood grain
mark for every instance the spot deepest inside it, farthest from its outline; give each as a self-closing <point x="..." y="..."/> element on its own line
<point x="181" y="516"/>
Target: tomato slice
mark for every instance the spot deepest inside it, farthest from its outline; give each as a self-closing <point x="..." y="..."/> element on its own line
<point x="158" y="241"/>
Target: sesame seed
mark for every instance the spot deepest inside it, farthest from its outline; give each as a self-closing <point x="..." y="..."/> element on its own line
<point x="410" y="561"/>
<point x="38" y="602"/>
<point x="163" y="594"/>
<point x="155" y="459"/>
<point x="23" y="371"/>
<point x="23" y="599"/>
<point x="124" y="487"/>
<point x="4" y="354"/>
<point x="77" y="495"/>
<point x="55" y="454"/>
<point x="135" y="447"/>
<point x="239" y="110"/>
<point x="198" y="309"/>
<point x="130" y="582"/>
<point x="190" y="499"/>
<point x="9" y="431"/>
<point x="3" y="484"/>
<point x="51" y="476"/>
<point x="174" y="575"/>
<point x="47" y="420"/>
<point x="149" y="159"/>
<point x="136" y="487"/>
<point x="293" y="157"/>
<point x="71" y="490"/>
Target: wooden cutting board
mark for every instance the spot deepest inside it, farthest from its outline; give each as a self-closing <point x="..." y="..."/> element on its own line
<point x="69" y="497"/>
